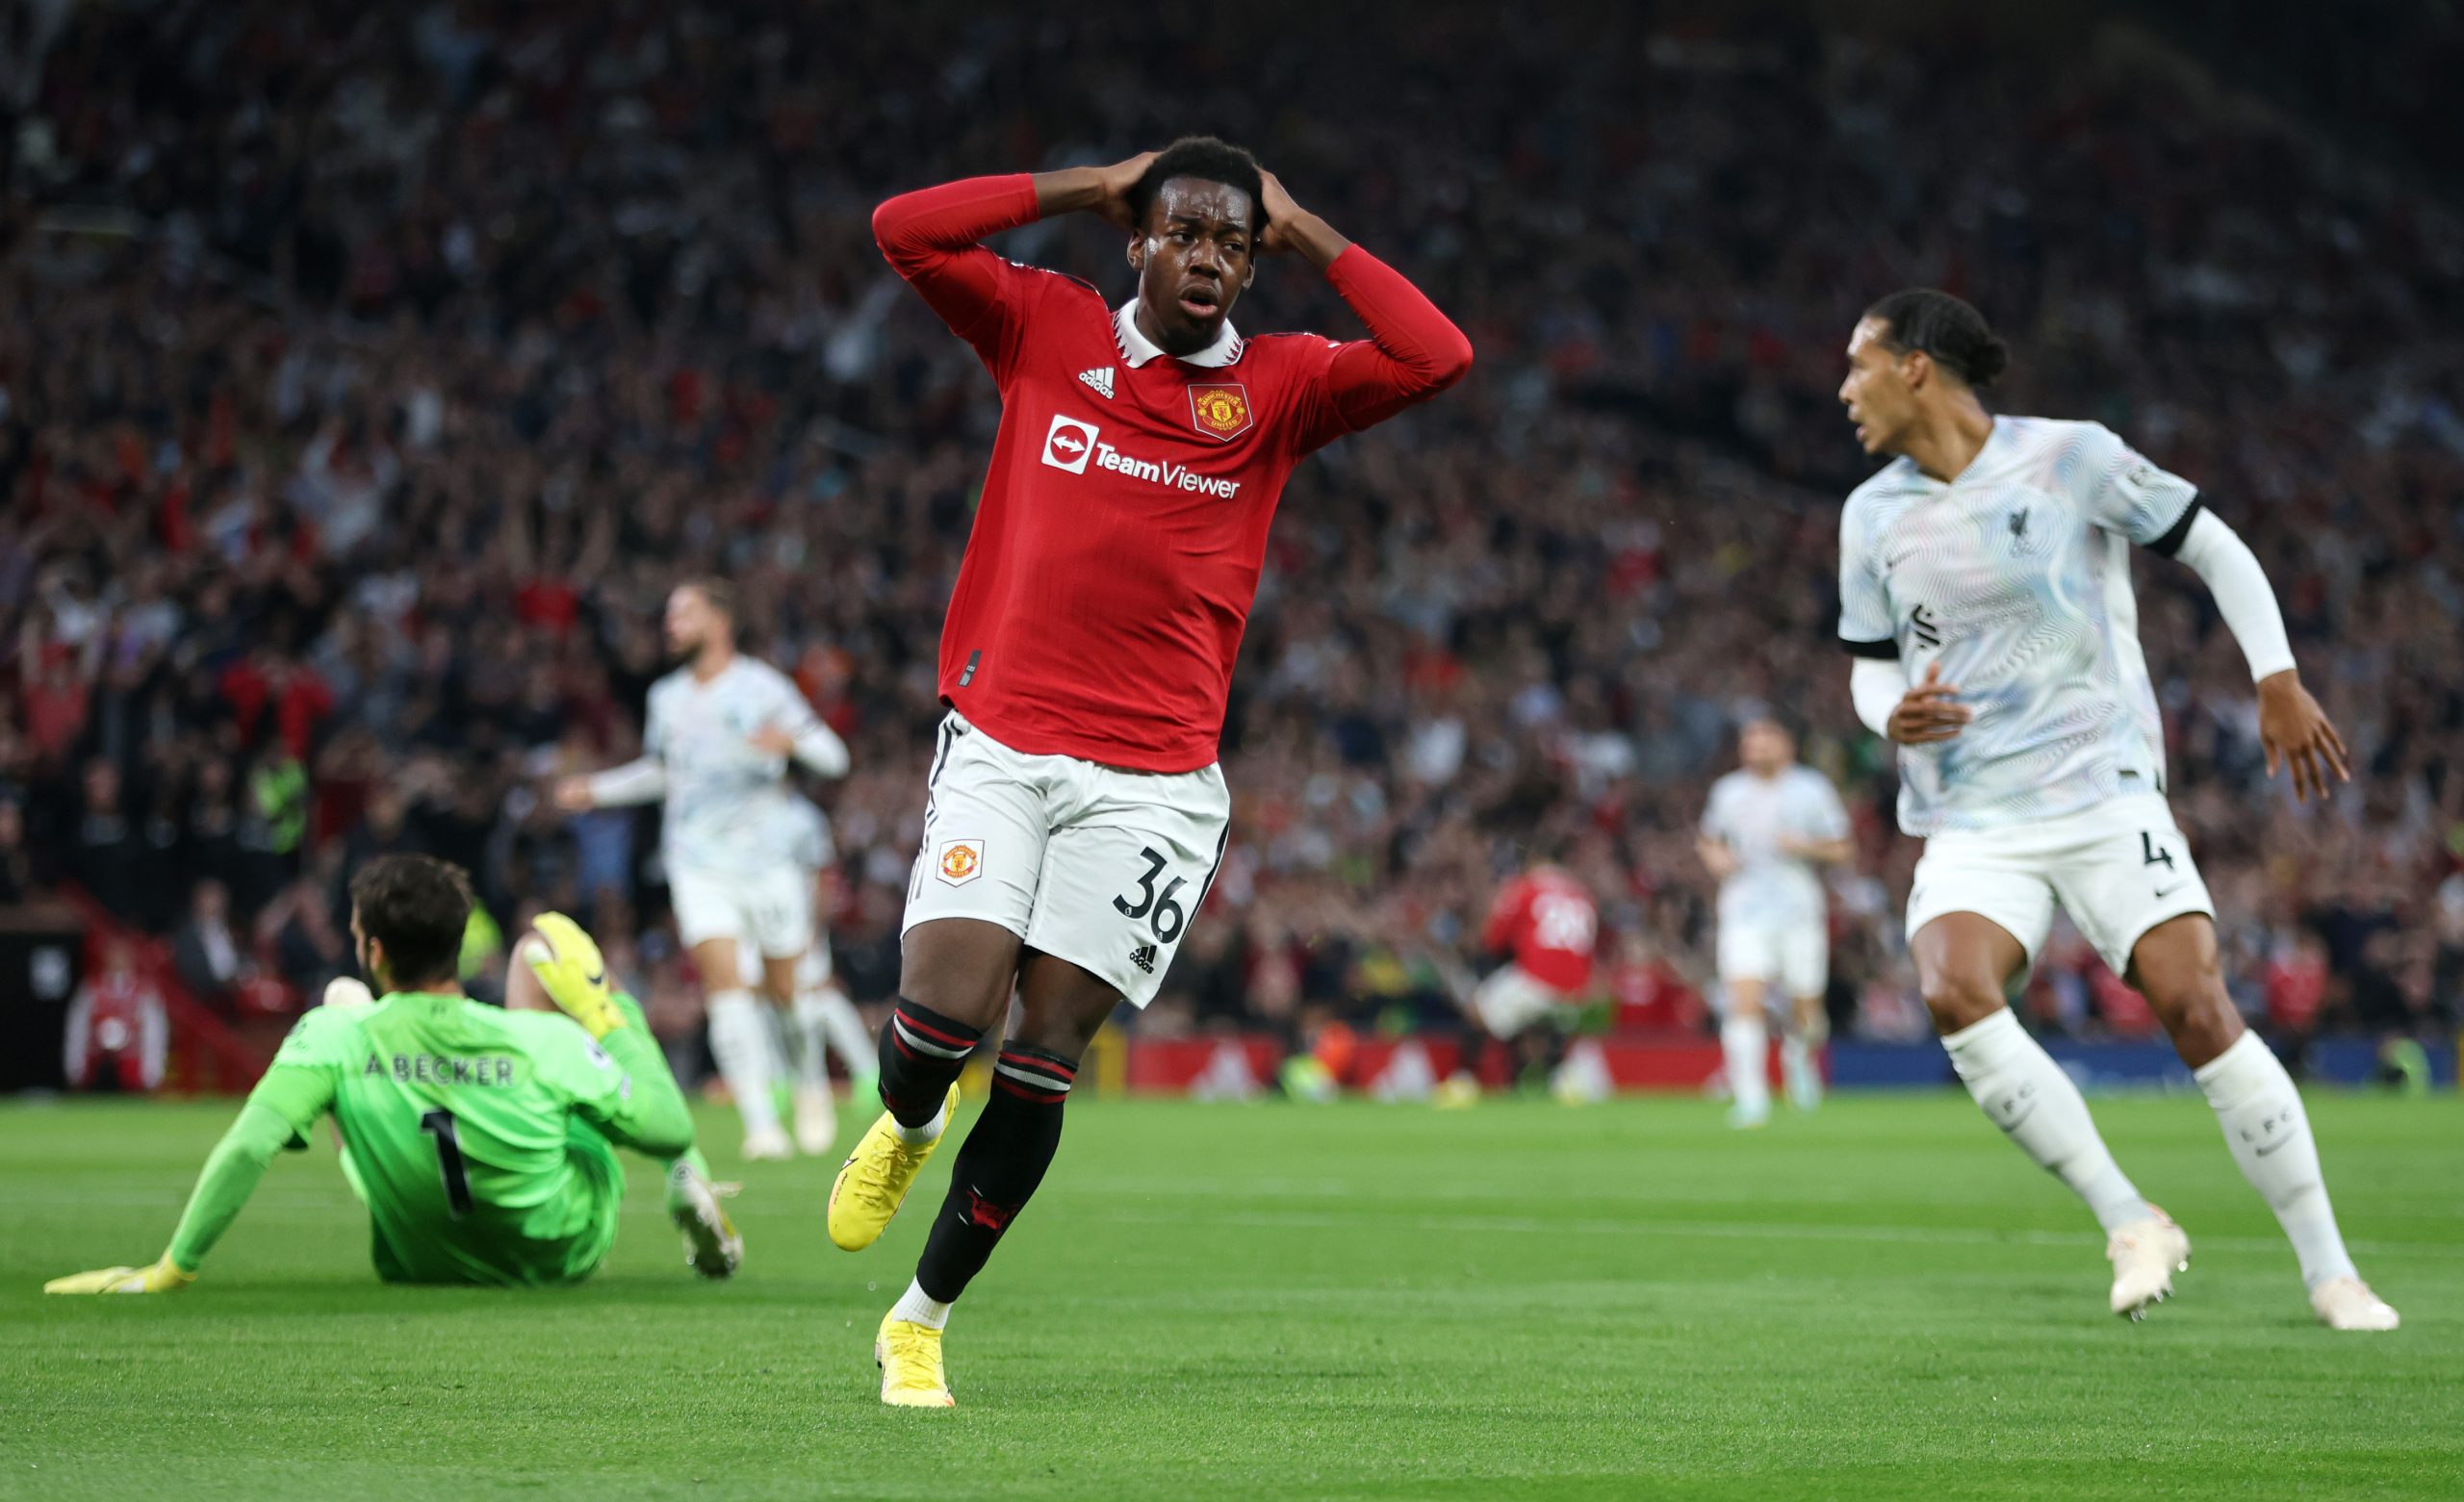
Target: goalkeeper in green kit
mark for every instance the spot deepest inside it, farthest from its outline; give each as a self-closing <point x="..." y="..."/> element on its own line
<point x="483" y="1139"/>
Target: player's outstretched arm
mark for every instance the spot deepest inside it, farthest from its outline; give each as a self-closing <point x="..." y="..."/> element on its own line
<point x="2292" y="729"/>
<point x="641" y="781"/>
<point x="1414" y="351"/>
<point x="286" y="1102"/>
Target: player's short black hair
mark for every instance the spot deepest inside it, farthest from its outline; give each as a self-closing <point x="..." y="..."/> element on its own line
<point x="1209" y="159"/>
<point x="717" y="593"/>
<point x="417" y="906"/>
<point x="1946" y="328"/>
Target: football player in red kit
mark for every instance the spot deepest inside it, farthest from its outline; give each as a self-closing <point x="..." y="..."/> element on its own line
<point x="1074" y="814"/>
<point x="1545" y="925"/>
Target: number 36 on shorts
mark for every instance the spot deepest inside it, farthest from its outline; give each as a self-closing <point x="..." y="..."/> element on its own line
<point x="1104" y="868"/>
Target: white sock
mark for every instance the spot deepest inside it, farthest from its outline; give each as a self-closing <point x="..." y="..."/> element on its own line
<point x="914" y="1304"/>
<point x="826" y="1019"/>
<point x="849" y="1037"/>
<point x="1747" y="1045"/>
<point x="812" y="1063"/>
<point x="2026" y="1094"/>
<point x="2264" y="1124"/>
<point x="1796" y="1066"/>
<point x="740" y="1045"/>
<point x="915" y="1136"/>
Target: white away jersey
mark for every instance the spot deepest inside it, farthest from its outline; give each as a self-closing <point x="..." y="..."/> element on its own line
<point x="2015" y="577"/>
<point x="1751" y="816"/>
<point x="728" y="806"/>
<point x="812" y="844"/>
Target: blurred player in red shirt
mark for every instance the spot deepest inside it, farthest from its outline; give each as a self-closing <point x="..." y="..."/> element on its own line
<point x="1545" y="925"/>
<point x="1074" y="814"/>
<point x="116" y="1022"/>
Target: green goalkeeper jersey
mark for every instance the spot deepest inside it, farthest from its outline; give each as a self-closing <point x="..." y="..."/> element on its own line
<point x="480" y="1136"/>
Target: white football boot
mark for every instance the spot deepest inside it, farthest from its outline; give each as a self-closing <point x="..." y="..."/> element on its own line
<point x="2348" y="1303"/>
<point x="816" y="1120"/>
<point x="768" y="1145"/>
<point x="2145" y="1253"/>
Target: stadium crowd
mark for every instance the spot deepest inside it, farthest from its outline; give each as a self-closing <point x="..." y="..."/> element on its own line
<point x="367" y="375"/>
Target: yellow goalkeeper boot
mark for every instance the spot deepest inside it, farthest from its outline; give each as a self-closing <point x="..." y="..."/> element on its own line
<point x="874" y="1180"/>
<point x="909" y="1357"/>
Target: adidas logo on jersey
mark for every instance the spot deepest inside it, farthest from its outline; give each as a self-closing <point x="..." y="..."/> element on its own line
<point x="1100" y="379"/>
<point x="1143" y="957"/>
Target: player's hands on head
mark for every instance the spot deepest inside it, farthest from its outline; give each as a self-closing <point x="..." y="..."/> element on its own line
<point x="572" y="795"/>
<point x="2297" y="733"/>
<point x="1930" y="711"/>
<point x="569" y="967"/>
<point x="1118" y="180"/>
<point x="165" y="1275"/>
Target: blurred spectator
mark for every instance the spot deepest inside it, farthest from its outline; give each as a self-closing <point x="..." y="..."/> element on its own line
<point x="205" y="950"/>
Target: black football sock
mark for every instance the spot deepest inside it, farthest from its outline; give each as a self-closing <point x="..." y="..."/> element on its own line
<point x="998" y="1168"/>
<point x="921" y="1052"/>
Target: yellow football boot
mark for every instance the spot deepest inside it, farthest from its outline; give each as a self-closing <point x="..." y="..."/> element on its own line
<point x="874" y="1180"/>
<point x="909" y="1357"/>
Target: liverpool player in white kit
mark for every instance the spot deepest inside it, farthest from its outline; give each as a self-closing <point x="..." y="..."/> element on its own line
<point x="1768" y="828"/>
<point x="715" y="746"/>
<point x="1074" y="815"/>
<point x="822" y="1020"/>
<point x="1984" y="588"/>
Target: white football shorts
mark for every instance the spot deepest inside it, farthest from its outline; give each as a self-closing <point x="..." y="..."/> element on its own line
<point x="2118" y="870"/>
<point x="768" y="906"/>
<point x="1510" y="998"/>
<point x="1092" y="864"/>
<point x="1792" y="960"/>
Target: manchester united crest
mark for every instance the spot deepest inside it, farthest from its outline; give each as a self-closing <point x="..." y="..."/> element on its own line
<point x="962" y="861"/>
<point x="1221" y="412"/>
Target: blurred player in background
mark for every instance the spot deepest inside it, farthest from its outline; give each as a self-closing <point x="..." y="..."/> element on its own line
<point x="1985" y="590"/>
<point x="1766" y="830"/>
<point x="1074" y="813"/>
<point x="481" y="1139"/>
<point x="720" y="733"/>
<point x="1544" y="927"/>
<point x="821" y="1020"/>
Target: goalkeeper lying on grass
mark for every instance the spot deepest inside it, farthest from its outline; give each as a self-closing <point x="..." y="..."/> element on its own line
<point x="482" y="1140"/>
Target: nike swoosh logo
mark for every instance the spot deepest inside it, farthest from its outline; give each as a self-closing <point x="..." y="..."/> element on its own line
<point x="2162" y="892"/>
<point x="2266" y="1149"/>
<point x="2013" y="1124"/>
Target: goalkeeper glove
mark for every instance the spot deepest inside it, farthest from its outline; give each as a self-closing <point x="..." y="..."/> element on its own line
<point x="164" y="1277"/>
<point x="574" y="974"/>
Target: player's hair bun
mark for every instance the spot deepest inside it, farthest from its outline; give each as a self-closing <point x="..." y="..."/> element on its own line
<point x="1951" y="332"/>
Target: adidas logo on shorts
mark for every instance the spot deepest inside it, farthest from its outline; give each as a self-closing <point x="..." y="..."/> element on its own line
<point x="1143" y="957"/>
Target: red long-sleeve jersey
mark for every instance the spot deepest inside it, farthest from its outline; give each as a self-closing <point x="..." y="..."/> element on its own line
<point x="1117" y="550"/>
<point x="1544" y="920"/>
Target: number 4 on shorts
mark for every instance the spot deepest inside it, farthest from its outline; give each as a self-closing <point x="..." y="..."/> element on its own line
<point x="2147" y="849"/>
<point x="1168" y="919"/>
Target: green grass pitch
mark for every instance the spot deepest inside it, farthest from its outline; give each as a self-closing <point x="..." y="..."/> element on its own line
<point x="1245" y="1302"/>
